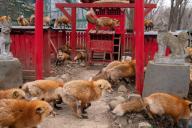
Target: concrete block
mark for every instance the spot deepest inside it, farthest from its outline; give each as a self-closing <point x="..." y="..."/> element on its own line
<point x="168" y="78"/>
<point x="10" y="73"/>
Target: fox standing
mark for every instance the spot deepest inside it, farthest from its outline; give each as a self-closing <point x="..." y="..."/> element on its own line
<point x="78" y="94"/>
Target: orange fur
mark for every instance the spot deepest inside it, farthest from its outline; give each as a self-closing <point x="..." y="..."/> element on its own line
<point x="188" y="50"/>
<point x="158" y="104"/>
<point x="116" y="70"/>
<point x="13" y="93"/>
<point x="22" y="21"/>
<point x="101" y="21"/>
<point x="61" y="20"/>
<point x="162" y="103"/>
<point x="39" y="87"/>
<point x="100" y="75"/>
<point x="148" y="24"/>
<point x="123" y="70"/>
<point x="111" y="65"/>
<point x="106" y="21"/>
<point x="62" y="56"/>
<point x="4" y="19"/>
<point x="47" y="90"/>
<point x="103" y="74"/>
<point x="46" y="85"/>
<point x="66" y="48"/>
<point x="46" y="20"/>
<point x="81" y="56"/>
<point x="32" y="19"/>
<point x="91" y="16"/>
<point x="23" y="114"/>
<point x="83" y="92"/>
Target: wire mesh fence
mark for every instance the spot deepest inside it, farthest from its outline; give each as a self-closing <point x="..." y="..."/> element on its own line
<point x="15" y="8"/>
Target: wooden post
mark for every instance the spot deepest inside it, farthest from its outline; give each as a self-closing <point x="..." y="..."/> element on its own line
<point x="73" y="38"/>
<point x="39" y="38"/>
<point x="139" y="44"/>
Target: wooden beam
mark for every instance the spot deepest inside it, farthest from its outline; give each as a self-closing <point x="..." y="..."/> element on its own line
<point x="90" y="5"/>
<point x="65" y="13"/>
<point x="147" y="11"/>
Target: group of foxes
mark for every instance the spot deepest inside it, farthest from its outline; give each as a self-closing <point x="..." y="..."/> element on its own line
<point x="22" y="21"/>
<point x="46" y="20"/>
<point x="29" y="105"/>
<point x="63" y="54"/>
<point x="158" y="103"/>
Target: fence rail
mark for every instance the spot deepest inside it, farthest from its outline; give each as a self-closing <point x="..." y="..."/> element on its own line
<point x="22" y="46"/>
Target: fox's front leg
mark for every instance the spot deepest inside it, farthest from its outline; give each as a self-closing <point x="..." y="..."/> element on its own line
<point x="76" y="106"/>
<point x="84" y="106"/>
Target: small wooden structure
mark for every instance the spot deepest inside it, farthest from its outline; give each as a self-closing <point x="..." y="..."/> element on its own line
<point x="138" y="29"/>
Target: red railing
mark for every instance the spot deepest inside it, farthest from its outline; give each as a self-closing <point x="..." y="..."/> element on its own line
<point x="81" y="41"/>
<point x="22" y="47"/>
<point x="150" y="46"/>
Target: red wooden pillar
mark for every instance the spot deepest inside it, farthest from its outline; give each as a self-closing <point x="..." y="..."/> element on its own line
<point x="139" y="44"/>
<point x="73" y="33"/>
<point x="39" y="38"/>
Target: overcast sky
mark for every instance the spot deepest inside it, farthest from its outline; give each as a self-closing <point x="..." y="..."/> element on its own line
<point x="167" y="2"/>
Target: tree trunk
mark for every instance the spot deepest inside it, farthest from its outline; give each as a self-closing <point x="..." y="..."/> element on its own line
<point x="176" y="13"/>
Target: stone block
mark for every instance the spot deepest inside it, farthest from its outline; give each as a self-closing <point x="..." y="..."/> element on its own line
<point x="168" y="78"/>
<point x="10" y="73"/>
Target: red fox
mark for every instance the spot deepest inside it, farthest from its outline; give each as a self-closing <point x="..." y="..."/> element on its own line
<point x="4" y="19"/>
<point x="124" y="70"/>
<point x="111" y="65"/>
<point x="61" y="57"/>
<point x="13" y="93"/>
<point x="158" y="104"/>
<point x="101" y="21"/>
<point x="46" y="20"/>
<point x="78" y="94"/>
<point x="116" y="70"/>
<point x="61" y="20"/>
<point x="22" y="21"/>
<point x="102" y="74"/>
<point x="23" y="114"/>
<point x="44" y="89"/>
<point x="82" y="56"/>
<point x="148" y="24"/>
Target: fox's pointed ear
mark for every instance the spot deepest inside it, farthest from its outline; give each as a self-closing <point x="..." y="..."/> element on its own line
<point x="190" y="106"/>
<point x="15" y="94"/>
<point x="39" y="110"/>
<point x="101" y="86"/>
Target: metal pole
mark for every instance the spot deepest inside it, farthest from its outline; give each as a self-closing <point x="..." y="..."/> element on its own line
<point x="39" y="38"/>
<point x="139" y="44"/>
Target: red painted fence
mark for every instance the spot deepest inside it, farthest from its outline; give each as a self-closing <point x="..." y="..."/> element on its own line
<point x="22" y="47"/>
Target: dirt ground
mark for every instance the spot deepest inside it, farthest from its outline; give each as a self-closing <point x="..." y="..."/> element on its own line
<point x="98" y="112"/>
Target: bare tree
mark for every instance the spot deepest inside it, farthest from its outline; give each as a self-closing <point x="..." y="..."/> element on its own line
<point x="176" y="13"/>
<point x="155" y="10"/>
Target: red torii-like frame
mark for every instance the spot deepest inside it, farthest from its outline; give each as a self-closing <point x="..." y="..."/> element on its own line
<point x="138" y="31"/>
